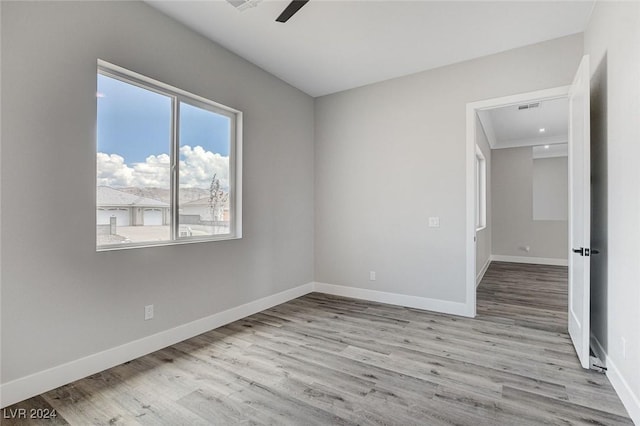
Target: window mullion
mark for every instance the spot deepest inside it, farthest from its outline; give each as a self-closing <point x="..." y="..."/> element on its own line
<point x="175" y="167"/>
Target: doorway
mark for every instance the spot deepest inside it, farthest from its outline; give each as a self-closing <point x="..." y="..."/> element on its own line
<point x="579" y="197"/>
<point x="474" y="111"/>
<point x="522" y="247"/>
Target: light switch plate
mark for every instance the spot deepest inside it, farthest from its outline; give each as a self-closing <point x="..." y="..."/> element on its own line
<point x="148" y="312"/>
<point x="434" y="222"/>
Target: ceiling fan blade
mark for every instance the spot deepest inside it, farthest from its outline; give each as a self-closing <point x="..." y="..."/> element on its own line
<point x="290" y="10"/>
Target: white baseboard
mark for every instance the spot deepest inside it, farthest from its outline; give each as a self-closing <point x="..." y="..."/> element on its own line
<point x="437" y="305"/>
<point x="43" y="381"/>
<point x="532" y="260"/>
<point x="482" y="272"/>
<point x="629" y="399"/>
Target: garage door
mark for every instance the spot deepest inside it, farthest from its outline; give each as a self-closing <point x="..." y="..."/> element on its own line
<point x="103" y="217"/>
<point x="152" y="217"/>
<point x="121" y="215"/>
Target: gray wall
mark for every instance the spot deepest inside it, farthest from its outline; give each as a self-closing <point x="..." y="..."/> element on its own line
<point x="513" y="224"/>
<point x="391" y="154"/>
<point x="551" y="188"/>
<point x="483" y="237"/>
<point x="612" y="39"/>
<point x="60" y="299"/>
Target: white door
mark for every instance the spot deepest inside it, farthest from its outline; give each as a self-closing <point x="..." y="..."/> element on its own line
<point x="579" y="212"/>
<point x="152" y="217"/>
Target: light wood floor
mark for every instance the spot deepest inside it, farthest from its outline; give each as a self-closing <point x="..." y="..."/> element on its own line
<point x="530" y="296"/>
<point x="323" y="359"/>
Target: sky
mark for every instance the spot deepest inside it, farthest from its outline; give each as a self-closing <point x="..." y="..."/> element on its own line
<point x="134" y="139"/>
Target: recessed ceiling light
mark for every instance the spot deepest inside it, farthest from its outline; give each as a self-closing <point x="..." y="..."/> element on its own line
<point x="542" y="130"/>
<point x="546" y="147"/>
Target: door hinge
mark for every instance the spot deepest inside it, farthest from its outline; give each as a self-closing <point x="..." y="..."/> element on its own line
<point x="597" y="365"/>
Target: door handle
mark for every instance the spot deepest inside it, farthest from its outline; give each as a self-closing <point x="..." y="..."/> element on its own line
<point x="584" y="251"/>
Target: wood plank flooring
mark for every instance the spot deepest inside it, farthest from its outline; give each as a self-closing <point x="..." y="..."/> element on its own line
<point x="323" y="359"/>
<point x="532" y="296"/>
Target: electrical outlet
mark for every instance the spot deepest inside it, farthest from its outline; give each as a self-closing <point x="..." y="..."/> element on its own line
<point x="434" y="222"/>
<point x="624" y="348"/>
<point x="372" y="275"/>
<point x="148" y="312"/>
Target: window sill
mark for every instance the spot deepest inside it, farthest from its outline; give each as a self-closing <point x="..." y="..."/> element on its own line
<point x="129" y="246"/>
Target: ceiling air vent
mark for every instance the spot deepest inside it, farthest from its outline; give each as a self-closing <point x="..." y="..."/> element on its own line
<point x="243" y="4"/>
<point x="529" y="106"/>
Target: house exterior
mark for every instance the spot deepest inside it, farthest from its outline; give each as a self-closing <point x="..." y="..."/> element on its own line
<point x="129" y="209"/>
<point x="202" y="208"/>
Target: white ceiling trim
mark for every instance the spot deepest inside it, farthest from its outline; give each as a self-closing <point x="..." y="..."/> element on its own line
<point x="514" y="143"/>
<point x="521" y="98"/>
<point x="560" y="150"/>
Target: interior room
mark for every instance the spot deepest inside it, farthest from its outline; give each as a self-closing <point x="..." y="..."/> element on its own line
<point x="270" y="212"/>
<point x="529" y="180"/>
<point x="522" y="233"/>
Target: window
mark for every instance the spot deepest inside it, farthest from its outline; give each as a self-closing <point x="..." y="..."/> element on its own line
<point x="481" y="190"/>
<point x="167" y="164"/>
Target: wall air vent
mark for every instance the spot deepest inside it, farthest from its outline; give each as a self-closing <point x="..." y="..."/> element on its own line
<point x="529" y="106"/>
<point x="243" y="4"/>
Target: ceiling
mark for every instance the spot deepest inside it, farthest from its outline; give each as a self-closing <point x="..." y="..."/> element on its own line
<point x="330" y="46"/>
<point x="511" y="126"/>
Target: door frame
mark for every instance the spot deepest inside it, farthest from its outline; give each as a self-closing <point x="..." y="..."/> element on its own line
<point x="472" y="109"/>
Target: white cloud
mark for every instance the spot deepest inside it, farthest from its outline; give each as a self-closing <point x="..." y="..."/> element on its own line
<point x="112" y="170"/>
<point x="154" y="172"/>
<point x="198" y="167"/>
<point x="196" y="170"/>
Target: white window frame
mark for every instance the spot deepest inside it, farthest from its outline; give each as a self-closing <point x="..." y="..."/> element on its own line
<point x="235" y="157"/>
<point x="481" y="190"/>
